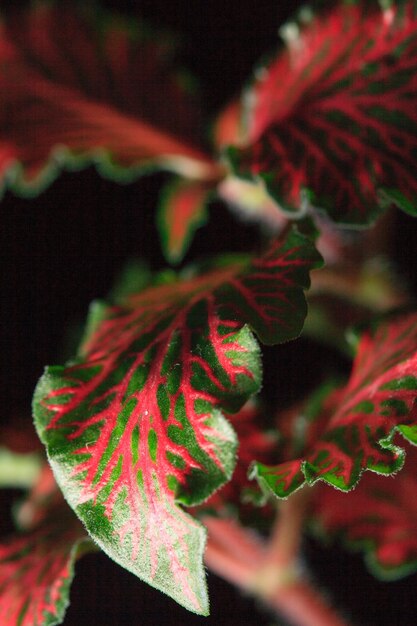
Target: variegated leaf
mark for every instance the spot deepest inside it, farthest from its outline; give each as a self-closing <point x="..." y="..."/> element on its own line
<point x="37" y="564"/>
<point x="378" y="517"/>
<point x="331" y="120"/>
<point x="133" y="426"/>
<point x="79" y="86"/>
<point x="181" y="211"/>
<point x="353" y="430"/>
<point x="254" y="442"/>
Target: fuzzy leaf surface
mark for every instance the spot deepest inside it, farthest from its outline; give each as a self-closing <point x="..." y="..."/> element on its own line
<point x="354" y="427"/>
<point x="379" y="517"/>
<point x="133" y="427"/>
<point x="80" y="86"/>
<point x="331" y="120"/>
<point x="236" y="496"/>
<point x="37" y="564"/>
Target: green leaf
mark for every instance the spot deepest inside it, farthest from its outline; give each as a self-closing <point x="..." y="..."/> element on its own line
<point x="330" y="119"/>
<point x="79" y="87"/>
<point x="379" y="517"/>
<point x="37" y="564"/>
<point x="235" y="498"/>
<point x="133" y="427"/>
<point x="355" y="426"/>
<point x="182" y="210"/>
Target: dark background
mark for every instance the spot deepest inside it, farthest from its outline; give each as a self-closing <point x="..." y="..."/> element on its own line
<point x="62" y="250"/>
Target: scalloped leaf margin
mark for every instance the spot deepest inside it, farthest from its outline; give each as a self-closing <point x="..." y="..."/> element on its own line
<point x="379" y="518"/>
<point x="37" y="563"/>
<point x="81" y="87"/>
<point x="331" y="119"/>
<point x="133" y="426"/>
<point x="357" y="434"/>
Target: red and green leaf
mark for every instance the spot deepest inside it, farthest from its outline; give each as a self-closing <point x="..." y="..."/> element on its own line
<point x="37" y="565"/>
<point x="80" y="86"/>
<point x="228" y="127"/>
<point x="254" y="442"/>
<point x="182" y="211"/>
<point x="133" y="427"/>
<point x="331" y="121"/>
<point x="379" y="516"/>
<point x="354" y="429"/>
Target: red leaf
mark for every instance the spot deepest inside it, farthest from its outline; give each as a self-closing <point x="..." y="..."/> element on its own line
<point x="379" y="516"/>
<point x="353" y="429"/>
<point x="228" y="126"/>
<point x="134" y="427"/>
<point x="332" y="119"/>
<point x="254" y="443"/>
<point x="37" y="565"/>
<point x="80" y="87"/>
<point x="182" y="210"/>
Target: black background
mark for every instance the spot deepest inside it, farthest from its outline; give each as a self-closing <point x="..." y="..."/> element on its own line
<point x="62" y="250"/>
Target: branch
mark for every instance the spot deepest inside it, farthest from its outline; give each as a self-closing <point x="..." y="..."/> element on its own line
<point x="270" y="571"/>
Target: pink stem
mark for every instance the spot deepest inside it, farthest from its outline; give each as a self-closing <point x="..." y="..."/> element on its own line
<point x="227" y="566"/>
<point x="237" y="556"/>
<point x="284" y="544"/>
<point x="303" y="605"/>
<point x="236" y="542"/>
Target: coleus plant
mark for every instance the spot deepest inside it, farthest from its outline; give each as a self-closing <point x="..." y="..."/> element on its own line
<point x="157" y="452"/>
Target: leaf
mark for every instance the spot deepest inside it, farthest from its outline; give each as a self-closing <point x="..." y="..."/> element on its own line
<point x="228" y="125"/>
<point x="80" y="86"/>
<point x="37" y="565"/>
<point x="355" y="426"/>
<point x="379" y="517"/>
<point x="254" y="442"/>
<point x="182" y="211"/>
<point x="332" y="118"/>
<point x="133" y="426"/>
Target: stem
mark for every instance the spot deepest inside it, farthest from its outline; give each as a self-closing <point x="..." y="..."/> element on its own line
<point x="359" y="286"/>
<point x="253" y="202"/>
<point x="284" y="543"/>
<point x="303" y="605"/>
<point x="19" y="470"/>
<point x="240" y="544"/>
<point x="280" y="565"/>
<point x="227" y="566"/>
<point x="269" y="570"/>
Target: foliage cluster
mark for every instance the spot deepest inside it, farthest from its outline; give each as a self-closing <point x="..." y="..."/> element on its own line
<point x="161" y="449"/>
